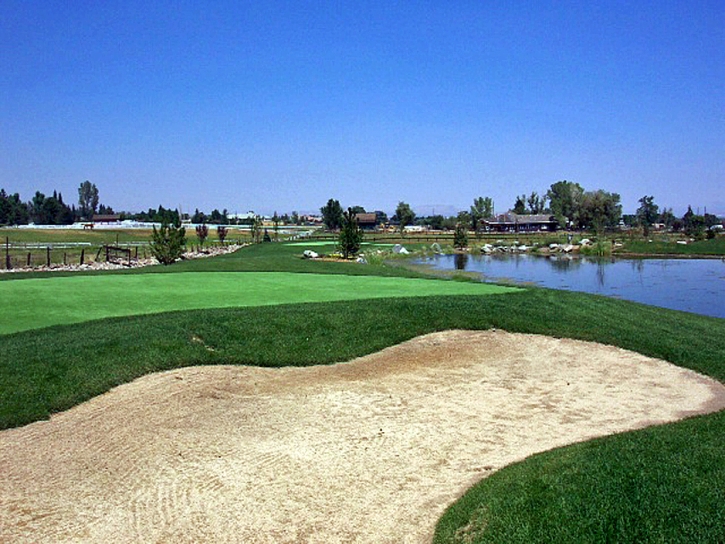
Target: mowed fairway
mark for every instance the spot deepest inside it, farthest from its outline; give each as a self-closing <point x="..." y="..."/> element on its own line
<point x="45" y="302"/>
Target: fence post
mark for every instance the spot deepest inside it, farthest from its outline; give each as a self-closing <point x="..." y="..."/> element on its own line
<point x="29" y="258"/>
<point x="83" y="255"/>
<point x="48" y="255"/>
<point x="7" y="253"/>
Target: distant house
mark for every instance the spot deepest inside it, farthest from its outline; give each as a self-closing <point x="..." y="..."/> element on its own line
<point x="367" y="221"/>
<point x="514" y="222"/>
<point x="106" y="218"/>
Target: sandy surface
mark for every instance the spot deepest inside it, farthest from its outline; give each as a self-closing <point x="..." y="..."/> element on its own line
<point x="368" y="451"/>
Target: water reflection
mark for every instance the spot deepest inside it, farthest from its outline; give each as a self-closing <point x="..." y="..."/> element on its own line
<point x="460" y="261"/>
<point x="693" y="285"/>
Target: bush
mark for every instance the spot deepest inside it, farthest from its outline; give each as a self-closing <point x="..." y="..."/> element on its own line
<point x="167" y="243"/>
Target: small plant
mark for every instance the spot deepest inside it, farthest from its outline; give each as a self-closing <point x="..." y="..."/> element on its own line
<point x="167" y="243"/>
<point x="222" y="232"/>
<point x="460" y="236"/>
<point x="202" y="231"/>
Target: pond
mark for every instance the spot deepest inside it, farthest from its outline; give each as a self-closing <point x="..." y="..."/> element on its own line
<point x="691" y="285"/>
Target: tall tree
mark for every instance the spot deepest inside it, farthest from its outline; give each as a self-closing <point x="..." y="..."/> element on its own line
<point x="536" y="203"/>
<point x="565" y="200"/>
<point x="351" y="235"/>
<point x="405" y="215"/>
<point x="481" y="210"/>
<point x="520" y="205"/>
<point x="599" y="210"/>
<point x="332" y="214"/>
<point x="88" y="199"/>
<point x="647" y="213"/>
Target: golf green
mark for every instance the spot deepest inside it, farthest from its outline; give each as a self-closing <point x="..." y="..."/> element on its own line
<point x="36" y="303"/>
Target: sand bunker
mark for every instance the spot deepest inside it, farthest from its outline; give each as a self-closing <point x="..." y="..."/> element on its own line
<point x="368" y="451"/>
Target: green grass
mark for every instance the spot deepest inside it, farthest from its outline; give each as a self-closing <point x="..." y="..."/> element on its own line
<point x="664" y="484"/>
<point x="43" y="302"/>
<point x="669" y="246"/>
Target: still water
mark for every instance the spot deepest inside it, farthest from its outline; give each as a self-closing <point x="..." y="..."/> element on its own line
<point x="692" y="285"/>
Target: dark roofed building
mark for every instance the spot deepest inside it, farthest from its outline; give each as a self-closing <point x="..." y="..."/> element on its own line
<point x="367" y="221"/>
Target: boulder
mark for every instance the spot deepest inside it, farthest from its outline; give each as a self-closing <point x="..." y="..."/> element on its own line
<point x="309" y="254"/>
<point x="400" y="250"/>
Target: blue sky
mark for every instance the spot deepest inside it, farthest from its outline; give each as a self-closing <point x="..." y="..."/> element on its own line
<point x="281" y="105"/>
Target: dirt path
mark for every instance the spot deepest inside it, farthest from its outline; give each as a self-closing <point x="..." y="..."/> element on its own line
<point x="369" y="451"/>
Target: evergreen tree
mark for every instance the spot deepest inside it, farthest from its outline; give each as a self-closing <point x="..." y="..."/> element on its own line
<point x="351" y="235"/>
<point x="460" y="236"/>
<point x="332" y="214"/>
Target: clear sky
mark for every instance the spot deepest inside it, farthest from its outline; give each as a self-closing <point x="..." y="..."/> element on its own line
<point x="269" y="105"/>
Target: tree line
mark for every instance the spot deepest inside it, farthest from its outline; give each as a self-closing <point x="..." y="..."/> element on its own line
<point x="568" y="203"/>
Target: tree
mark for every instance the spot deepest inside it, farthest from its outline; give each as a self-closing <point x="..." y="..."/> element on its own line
<point x="647" y="213"/>
<point x="351" y="235"/>
<point x="295" y="218"/>
<point x="255" y="228"/>
<point x="167" y="243"/>
<point x="381" y="217"/>
<point x="520" y="205"/>
<point x="332" y="214"/>
<point x="358" y="210"/>
<point x="88" y="199"/>
<point x="667" y="217"/>
<point x="276" y="220"/>
<point x="202" y="231"/>
<point x="405" y="215"/>
<point x="565" y="200"/>
<point x="693" y="224"/>
<point x="482" y="209"/>
<point x="222" y="232"/>
<point x="599" y="210"/>
<point x="460" y="236"/>
<point x="536" y="203"/>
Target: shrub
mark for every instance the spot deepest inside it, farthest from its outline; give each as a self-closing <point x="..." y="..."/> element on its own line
<point x="167" y="243"/>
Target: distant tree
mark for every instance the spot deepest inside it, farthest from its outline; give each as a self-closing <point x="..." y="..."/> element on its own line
<point x="520" y="205"/>
<point x="167" y="243"/>
<point x="198" y="217"/>
<point x="405" y="215"/>
<point x="599" y="210"/>
<point x="460" y="236"/>
<point x="647" y="213"/>
<point x="215" y="217"/>
<point x="276" y="220"/>
<point x="202" y="231"/>
<point x="221" y="232"/>
<point x="381" y="217"/>
<point x="88" y="199"/>
<point x="693" y="224"/>
<point x="565" y="200"/>
<point x="13" y="211"/>
<point x="332" y="214"/>
<point x="351" y="235"/>
<point x="266" y="237"/>
<point x="464" y="218"/>
<point x="536" y="203"/>
<point x="435" y="222"/>
<point x="255" y="228"/>
<point x="295" y="218"/>
<point x="482" y="209"/>
<point x="357" y="210"/>
<point x="667" y="218"/>
<point x="4" y="208"/>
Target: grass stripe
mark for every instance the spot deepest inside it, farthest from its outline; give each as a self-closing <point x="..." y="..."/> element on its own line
<point x="45" y="302"/>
